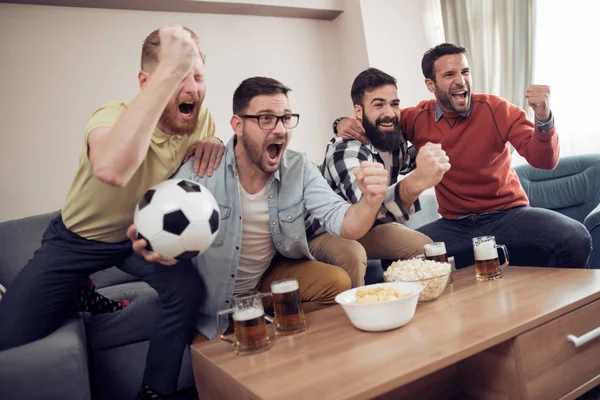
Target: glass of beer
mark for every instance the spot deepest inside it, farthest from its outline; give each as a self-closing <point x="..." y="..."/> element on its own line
<point x="249" y="326"/>
<point x="487" y="265"/>
<point x="437" y="252"/>
<point x="289" y="317"/>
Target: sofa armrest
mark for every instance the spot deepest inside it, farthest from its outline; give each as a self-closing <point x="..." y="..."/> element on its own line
<point x="592" y="224"/>
<point x="55" y="367"/>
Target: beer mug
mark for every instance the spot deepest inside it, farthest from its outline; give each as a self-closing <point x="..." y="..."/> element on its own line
<point x="487" y="265"/>
<point x="289" y="317"/>
<point x="249" y="326"/>
<point x="437" y="252"/>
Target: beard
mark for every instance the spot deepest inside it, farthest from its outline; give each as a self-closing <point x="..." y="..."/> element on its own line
<point x="447" y="101"/>
<point x="257" y="154"/>
<point x="171" y="118"/>
<point x="383" y="141"/>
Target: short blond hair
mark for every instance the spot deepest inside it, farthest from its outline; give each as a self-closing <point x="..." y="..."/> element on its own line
<point x="151" y="47"/>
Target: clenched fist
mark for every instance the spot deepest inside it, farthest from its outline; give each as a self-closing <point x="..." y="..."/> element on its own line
<point x="432" y="164"/>
<point x="372" y="180"/>
<point x="538" y="97"/>
<point x="177" y="49"/>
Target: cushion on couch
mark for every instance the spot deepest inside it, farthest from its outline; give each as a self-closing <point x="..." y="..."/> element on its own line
<point x="55" y="367"/>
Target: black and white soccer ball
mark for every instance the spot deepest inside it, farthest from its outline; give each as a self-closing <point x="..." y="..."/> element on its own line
<point x="179" y="218"/>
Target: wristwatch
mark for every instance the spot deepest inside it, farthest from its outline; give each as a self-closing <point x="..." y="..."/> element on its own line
<point x="335" y="124"/>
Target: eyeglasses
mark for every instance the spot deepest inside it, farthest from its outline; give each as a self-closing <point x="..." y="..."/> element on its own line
<point x="270" y="121"/>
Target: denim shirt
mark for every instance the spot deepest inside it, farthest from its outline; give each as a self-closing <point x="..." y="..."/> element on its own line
<point x="295" y="189"/>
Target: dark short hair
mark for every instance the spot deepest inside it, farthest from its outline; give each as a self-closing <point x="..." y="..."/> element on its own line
<point x="436" y="52"/>
<point x="252" y="87"/>
<point x="367" y="80"/>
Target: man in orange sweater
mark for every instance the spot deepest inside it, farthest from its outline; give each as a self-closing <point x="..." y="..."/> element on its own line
<point x="481" y="194"/>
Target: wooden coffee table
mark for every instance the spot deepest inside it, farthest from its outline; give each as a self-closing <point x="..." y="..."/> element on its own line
<point x="504" y="339"/>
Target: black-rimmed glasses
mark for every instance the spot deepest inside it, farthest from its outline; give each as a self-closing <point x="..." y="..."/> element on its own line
<point x="270" y="121"/>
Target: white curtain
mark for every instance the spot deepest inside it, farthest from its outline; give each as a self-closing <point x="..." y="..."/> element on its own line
<point x="567" y="36"/>
<point x="499" y="36"/>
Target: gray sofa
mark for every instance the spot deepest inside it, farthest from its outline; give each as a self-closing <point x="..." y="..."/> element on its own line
<point x="91" y="357"/>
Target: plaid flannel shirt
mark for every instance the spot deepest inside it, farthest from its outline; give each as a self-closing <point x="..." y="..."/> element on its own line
<point x="342" y="156"/>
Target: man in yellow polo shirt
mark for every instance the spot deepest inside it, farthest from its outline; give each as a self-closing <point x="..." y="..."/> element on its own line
<point x="128" y="148"/>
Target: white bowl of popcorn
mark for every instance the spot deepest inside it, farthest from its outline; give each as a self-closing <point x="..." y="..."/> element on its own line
<point x="432" y="275"/>
<point x="382" y="306"/>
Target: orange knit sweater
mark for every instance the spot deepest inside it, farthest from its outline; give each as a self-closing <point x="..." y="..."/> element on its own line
<point x="481" y="178"/>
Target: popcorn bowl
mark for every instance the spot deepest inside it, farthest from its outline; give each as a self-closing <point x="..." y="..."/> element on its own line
<point x="432" y="275"/>
<point x="385" y="315"/>
<point x="432" y="287"/>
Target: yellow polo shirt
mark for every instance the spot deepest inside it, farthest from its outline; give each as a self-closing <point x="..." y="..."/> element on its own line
<point x="98" y="211"/>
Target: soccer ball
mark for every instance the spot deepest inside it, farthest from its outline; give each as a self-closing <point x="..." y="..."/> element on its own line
<point x="178" y="218"/>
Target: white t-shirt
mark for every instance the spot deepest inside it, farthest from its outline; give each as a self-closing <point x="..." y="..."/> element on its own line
<point x="257" y="243"/>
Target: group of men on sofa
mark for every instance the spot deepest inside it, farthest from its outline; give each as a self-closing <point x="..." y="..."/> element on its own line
<point x="352" y="209"/>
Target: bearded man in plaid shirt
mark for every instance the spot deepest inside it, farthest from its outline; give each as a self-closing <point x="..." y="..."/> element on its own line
<point x="376" y="105"/>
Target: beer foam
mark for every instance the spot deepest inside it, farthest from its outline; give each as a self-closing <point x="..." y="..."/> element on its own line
<point x="284" y="287"/>
<point x="248" y="314"/>
<point x="435" y="249"/>
<point x="485" y="251"/>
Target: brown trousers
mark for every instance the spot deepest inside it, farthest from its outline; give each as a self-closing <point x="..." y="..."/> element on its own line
<point x="390" y="241"/>
<point x="318" y="282"/>
<point x="341" y="264"/>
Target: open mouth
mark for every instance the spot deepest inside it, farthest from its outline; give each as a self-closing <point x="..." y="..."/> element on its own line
<point x="460" y="96"/>
<point x="187" y="109"/>
<point x="388" y="124"/>
<point x="274" y="150"/>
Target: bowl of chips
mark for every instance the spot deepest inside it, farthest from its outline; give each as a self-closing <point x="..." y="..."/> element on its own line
<point x="382" y="306"/>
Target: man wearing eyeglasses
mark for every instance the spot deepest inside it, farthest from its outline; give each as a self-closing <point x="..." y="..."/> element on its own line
<point x="264" y="193"/>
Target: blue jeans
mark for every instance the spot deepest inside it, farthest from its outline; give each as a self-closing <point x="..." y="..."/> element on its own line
<point x="45" y="292"/>
<point x="533" y="236"/>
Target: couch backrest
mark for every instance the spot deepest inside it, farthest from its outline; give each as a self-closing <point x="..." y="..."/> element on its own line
<point x="20" y="238"/>
<point x="572" y="188"/>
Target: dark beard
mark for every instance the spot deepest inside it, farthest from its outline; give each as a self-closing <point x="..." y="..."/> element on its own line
<point x="383" y="141"/>
<point x="445" y="101"/>
<point x="255" y="153"/>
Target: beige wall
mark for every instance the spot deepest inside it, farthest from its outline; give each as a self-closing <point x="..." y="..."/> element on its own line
<point x="59" y="63"/>
<point x="397" y="33"/>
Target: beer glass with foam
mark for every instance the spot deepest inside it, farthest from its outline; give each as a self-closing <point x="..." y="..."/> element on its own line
<point x="289" y="317"/>
<point x="487" y="265"/>
<point x="437" y="252"/>
<point x="249" y="326"/>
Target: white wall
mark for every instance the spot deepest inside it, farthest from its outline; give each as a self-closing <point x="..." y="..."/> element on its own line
<point x="352" y="53"/>
<point x="59" y="64"/>
<point x="397" y="33"/>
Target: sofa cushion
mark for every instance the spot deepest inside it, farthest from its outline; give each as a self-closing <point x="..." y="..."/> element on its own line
<point x="55" y="367"/>
<point x="111" y="276"/>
